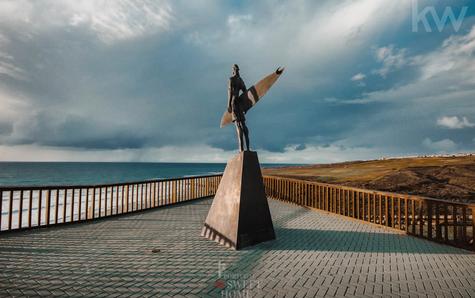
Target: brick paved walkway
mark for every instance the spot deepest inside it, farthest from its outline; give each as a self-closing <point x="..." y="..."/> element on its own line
<point x="316" y="254"/>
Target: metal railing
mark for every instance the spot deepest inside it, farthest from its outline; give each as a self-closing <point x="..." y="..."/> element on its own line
<point x="23" y="207"/>
<point x="438" y="220"/>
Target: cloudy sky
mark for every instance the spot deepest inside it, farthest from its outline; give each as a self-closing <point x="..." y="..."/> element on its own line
<point x="130" y="80"/>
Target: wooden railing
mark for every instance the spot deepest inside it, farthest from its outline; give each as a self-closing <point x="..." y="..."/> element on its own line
<point x="438" y="220"/>
<point x="26" y="207"/>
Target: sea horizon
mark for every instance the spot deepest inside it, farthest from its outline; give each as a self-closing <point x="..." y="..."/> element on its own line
<point x="44" y="173"/>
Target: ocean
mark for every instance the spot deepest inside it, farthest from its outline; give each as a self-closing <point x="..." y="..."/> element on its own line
<point x="83" y="173"/>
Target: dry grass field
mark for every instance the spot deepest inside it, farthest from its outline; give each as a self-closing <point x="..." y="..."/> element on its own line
<point x="449" y="178"/>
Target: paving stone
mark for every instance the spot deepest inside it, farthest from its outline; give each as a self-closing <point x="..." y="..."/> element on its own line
<point x="316" y="254"/>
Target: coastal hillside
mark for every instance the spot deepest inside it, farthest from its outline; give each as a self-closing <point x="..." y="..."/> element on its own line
<point x="441" y="177"/>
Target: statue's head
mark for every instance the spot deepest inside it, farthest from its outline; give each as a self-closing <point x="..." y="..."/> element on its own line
<point x="235" y="69"/>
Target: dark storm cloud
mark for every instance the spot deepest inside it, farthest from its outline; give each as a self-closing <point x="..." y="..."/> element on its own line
<point x="76" y="131"/>
<point x="5" y="128"/>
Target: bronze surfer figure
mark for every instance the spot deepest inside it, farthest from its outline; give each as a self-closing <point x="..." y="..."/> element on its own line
<point x="235" y="86"/>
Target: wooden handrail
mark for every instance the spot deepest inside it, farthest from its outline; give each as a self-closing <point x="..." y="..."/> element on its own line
<point x="433" y="219"/>
<point x="366" y="191"/>
<point x="36" y="206"/>
<point x="25" y="207"/>
<point x="69" y="186"/>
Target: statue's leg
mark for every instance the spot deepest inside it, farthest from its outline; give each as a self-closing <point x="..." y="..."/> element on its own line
<point x="239" y="134"/>
<point x="246" y="135"/>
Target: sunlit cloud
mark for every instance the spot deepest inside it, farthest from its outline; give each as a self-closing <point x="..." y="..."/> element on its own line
<point x="391" y="59"/>
<point x="454" y="122"/>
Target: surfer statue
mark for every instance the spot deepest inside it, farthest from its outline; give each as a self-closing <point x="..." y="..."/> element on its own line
<point x="235" y="86"/>
<point x="239" y="215"/>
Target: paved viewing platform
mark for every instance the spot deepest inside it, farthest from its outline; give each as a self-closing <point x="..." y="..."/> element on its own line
<point x="160" y="252"/>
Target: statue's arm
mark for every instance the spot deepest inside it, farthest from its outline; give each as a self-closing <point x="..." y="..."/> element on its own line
<point x="229" y="96"/>
<point x="243" y="86"/>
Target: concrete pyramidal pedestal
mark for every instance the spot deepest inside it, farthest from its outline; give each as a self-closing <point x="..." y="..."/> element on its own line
<point x="239" y="215"/>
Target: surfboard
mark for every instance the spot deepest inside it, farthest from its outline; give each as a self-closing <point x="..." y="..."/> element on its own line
<point x="249" y="98"/>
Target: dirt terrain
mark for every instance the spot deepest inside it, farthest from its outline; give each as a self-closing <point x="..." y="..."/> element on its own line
<point x="449" y="178"/>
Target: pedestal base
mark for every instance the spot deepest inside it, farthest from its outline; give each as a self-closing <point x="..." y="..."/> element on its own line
<point x="240" y="216"/>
